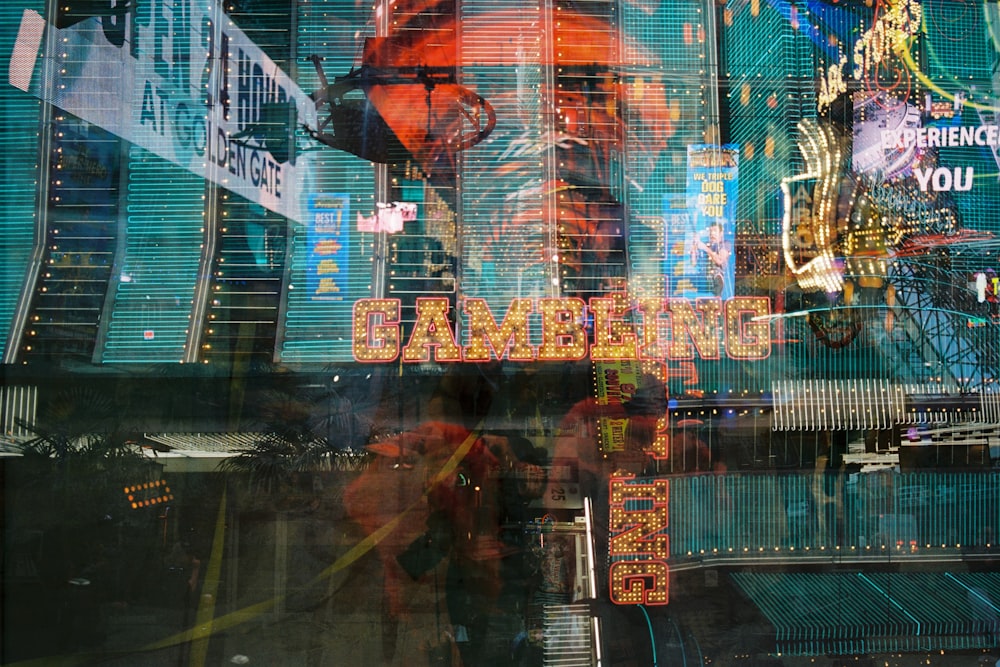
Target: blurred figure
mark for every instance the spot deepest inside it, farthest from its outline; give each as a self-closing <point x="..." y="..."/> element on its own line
<point x="579" y="435"/>
<point x="442" y="492"/>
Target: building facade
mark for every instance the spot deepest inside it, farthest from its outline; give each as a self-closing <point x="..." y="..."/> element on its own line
<point x="555" y="332"/>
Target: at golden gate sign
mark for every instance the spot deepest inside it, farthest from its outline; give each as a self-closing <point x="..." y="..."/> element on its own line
<point x="567" y="330"/>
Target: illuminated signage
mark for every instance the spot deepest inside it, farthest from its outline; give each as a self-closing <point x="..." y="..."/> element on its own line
<point x="670" y="329"/>
<point x="639" y="543"/>
<point x="328" y="240"/>
<point x="699" y="259"/>
<point x="147" y="494"/>
<point x="615" y="382"/>
<point x="942" y="137"/>
<point x="809" y="222"/>
<point x="178" y="79"/>
<point x="942" y="179"/>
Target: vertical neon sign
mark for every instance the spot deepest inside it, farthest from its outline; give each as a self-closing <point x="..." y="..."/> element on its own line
<point x="639" y="541"/>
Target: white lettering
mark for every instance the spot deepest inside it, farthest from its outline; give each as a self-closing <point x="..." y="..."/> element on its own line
<point x="961" y="186"/>
<point x="923" y="177"/>
<point x="941" y="137"/>
<point x="943" y="179"/>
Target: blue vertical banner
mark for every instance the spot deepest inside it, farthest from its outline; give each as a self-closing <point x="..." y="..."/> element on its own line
<point x="700" y="242"/>
<point x="328" y="220"/>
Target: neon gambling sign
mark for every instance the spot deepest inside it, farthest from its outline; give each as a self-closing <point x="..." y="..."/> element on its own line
<point x="639" y="543"/>
<point x="672" y="328"/>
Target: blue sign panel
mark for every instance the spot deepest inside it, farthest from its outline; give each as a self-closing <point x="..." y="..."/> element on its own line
<point x="699" y="257"/>
<point x="328" y="220"/>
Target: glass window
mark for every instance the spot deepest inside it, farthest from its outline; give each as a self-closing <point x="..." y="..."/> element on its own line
<point x="451" y="332"/>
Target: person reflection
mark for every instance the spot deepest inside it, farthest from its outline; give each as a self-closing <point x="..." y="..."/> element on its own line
<point x="467" y="507"/>
<point x="579" y="435"/>
<point x="643" y="416"/>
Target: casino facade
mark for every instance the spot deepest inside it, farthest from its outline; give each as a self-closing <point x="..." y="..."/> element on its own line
<point x="577" y="332"/>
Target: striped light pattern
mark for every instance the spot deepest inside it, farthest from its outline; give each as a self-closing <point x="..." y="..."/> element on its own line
<point x="153" y="294"/>
<point x="669" y="85"/>
<point x="767" y="96"/>
<point x="863" y="613"/>
<point x="315" y="330"/>
<point x="804" y="516"/>
<point x="507" y="249"/>
<point x="959" y="46"/>
<point x="20" y="207"/>
<point x="989" y="402"/>
<point x="836" y="404"/>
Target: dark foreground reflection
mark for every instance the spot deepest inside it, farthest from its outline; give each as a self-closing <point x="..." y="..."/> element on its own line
<point x="429" y="555"/>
